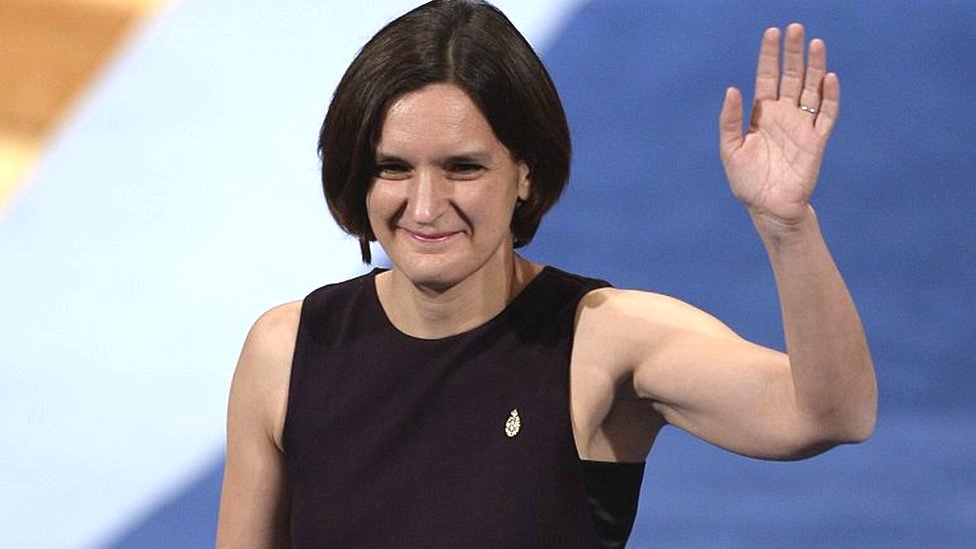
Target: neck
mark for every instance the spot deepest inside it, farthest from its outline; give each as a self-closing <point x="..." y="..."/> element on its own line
<point x="433" y="313"/>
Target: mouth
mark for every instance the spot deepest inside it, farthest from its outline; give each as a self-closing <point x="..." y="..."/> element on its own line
<point x="429" y="237"/>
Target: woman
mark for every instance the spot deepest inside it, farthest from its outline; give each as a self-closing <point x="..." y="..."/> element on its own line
<point x="469" y="397"/>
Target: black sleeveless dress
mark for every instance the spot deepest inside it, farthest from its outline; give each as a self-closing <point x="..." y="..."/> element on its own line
<point x="460" y="442"/>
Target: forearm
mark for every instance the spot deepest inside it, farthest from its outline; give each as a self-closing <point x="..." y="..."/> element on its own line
<point x="830" y="362"/>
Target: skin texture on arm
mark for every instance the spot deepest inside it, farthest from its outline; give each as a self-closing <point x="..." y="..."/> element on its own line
<point x="694" y="372"/>
<point x="253" y="501"/>
<point x="773" y="169"/>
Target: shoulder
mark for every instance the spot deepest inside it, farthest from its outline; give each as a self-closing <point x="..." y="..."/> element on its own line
<point x="273" y="333"/>
<point x="633" y="323"/>
<point x="647" y="310"/>
<point x="269" y="344"/>
<point x="602" y="303"/>
<point x="259" y="390"/>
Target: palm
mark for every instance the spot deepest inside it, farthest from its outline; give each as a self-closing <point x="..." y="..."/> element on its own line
<point x="773" y="168"/>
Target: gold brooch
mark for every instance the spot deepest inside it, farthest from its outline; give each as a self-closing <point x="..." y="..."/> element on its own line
<point x="513" y="424"/>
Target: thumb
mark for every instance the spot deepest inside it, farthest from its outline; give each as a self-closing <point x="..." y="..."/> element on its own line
<point x="730" y="123"/>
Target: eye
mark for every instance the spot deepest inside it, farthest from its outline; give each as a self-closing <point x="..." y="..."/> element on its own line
<point x="392" y="170"/>
<point x="466" y="170"/>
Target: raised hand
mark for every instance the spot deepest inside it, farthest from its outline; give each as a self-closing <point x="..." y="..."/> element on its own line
<point x="773" y="167"/>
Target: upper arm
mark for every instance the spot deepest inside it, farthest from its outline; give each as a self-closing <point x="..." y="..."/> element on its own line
<point x="253" y="502"/>
<point x="701" y="376"/>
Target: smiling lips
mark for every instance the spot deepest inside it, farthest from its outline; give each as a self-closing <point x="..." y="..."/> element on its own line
<point x="430" y="237"/>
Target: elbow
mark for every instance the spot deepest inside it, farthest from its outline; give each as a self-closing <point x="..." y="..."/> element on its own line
<point x="850" y="429"/>
<point x="826" y="433"/>
<point x="858" y="424"/>
<point x="847" y="421"/>
<point x="861" y="429"/>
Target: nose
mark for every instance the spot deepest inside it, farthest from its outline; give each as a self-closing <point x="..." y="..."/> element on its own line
<point x="429" y="197"/>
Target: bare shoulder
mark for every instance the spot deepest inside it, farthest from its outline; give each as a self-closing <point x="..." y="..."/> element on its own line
<point x="647" y="316"/>
<point x="260" y="386"/>
<point x="276" y="327"/>
<point x="271" y="340"/>
<point x="631" y="330"/>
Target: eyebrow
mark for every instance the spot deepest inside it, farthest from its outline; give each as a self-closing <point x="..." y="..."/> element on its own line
<point x="479" y="157"/>
<point x="385" y="158"/>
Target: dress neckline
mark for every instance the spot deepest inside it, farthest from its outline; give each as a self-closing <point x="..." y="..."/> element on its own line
<point x="516" y="302"/>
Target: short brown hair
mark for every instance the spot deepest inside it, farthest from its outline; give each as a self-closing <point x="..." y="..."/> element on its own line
<point x="474" y="46"/>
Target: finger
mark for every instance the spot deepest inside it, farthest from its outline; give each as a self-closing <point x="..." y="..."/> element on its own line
<point x="767" y="70"/>
<point x="792" y="81"/>
<point x="829" y="105"/>
<point x="730" y="123"/>
<point x="816" y="68"/>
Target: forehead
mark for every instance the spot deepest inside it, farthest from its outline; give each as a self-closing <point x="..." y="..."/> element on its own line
<point x="435" y="118"/>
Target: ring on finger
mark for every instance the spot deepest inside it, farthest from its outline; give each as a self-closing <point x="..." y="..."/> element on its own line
<point x="809" y="109"/>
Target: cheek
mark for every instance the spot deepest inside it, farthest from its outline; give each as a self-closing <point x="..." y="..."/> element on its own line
<point x="494" y="209"/>
<point x="378" y="201"/>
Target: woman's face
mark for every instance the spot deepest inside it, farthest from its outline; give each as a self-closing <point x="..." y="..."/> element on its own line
<point x="445" y="187"/>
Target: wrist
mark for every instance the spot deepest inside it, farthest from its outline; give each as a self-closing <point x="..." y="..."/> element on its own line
<point x="777" y="231"/>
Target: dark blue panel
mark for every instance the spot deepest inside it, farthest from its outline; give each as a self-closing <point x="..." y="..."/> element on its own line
<point x="648" y="204"/>
<point x="187" y="521"/>
<point x="648" y="207"/>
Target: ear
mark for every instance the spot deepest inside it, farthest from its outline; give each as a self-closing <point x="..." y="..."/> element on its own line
<point x="524" y="181"/>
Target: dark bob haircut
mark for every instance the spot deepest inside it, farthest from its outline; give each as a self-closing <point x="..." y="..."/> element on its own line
<point x="474" y="46"/>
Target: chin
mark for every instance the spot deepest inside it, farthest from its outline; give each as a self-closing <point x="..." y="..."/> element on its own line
<point x="434" y="272"/>
<point x="440" y="269"/>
